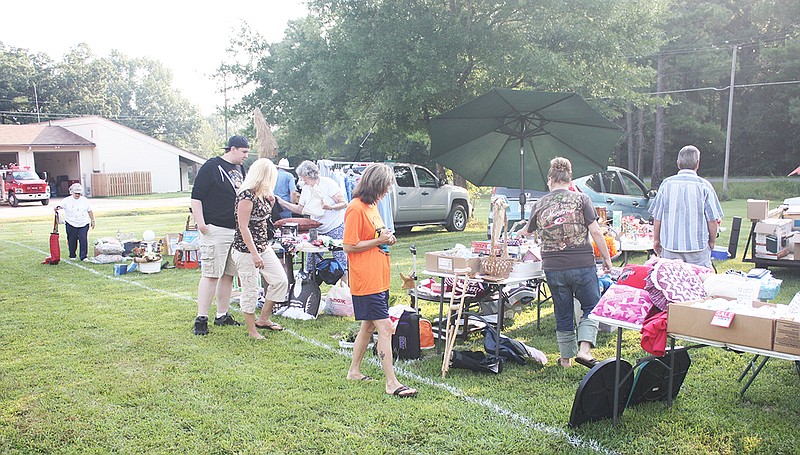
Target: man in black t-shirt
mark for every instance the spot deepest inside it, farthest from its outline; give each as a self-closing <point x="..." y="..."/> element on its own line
<point x="213" y="202"/>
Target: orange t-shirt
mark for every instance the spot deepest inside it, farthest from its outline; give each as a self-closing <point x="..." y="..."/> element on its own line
<point x="368" y="270"/>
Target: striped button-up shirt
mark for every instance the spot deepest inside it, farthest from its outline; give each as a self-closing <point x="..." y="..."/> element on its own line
<point x="685" y="203"/>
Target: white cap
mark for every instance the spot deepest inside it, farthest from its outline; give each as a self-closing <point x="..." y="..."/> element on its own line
<point x="284" y="164"/>
<point x="76" y="188"/>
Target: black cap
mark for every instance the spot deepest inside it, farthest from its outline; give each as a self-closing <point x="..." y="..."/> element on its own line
<point x="240" y="142"/>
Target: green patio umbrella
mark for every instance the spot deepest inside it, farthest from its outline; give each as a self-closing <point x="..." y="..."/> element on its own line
<point x="508" y="137"/>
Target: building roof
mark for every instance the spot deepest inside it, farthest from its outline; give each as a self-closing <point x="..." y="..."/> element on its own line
<point x="130" y="132"/>
<point x="40" y="135"/>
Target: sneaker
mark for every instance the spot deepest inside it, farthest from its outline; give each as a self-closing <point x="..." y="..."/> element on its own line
<point x="201" y="325"/>
<point x="86" y="260"/>
<point x="226" y="320"/>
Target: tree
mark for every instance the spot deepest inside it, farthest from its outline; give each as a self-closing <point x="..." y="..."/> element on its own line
<point x="698" y="64"/>
<point x="134" y="92"/>
<point x="352" y="64"/>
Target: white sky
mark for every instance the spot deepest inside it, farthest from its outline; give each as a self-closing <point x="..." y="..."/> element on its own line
<point x="188" y="37"/>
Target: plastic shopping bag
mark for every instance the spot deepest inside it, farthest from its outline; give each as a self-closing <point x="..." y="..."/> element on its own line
<point x="339" y="301"/>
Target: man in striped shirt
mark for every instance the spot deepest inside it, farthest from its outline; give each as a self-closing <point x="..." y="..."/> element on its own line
<point x="686" y="213"/>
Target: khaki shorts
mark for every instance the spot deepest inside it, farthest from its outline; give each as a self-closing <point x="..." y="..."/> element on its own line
<point x="215" y="252"/>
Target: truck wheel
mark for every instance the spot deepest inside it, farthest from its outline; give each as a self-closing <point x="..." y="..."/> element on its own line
<point x="12" y="199"/>
<point x="457" y="220"/>
<point x="45" y="201"/>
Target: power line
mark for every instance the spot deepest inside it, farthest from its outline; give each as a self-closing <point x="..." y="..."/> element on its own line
<point x="721" y="89"/>
<point x="751" y="41"/>
<point x="62" y="115"/>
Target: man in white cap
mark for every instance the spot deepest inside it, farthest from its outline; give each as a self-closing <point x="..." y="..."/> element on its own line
<point x="78" y="217"/>
<point x="285" y="185"/>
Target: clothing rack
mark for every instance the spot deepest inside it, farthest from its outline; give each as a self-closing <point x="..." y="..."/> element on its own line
<point x="329" y="167"/>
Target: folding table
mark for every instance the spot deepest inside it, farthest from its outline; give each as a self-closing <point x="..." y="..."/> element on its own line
<point x="754" y="366"/>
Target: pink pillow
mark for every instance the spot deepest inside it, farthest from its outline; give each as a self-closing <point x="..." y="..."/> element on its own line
<point x="624" y="303"/>
<point x="673" y="280"/>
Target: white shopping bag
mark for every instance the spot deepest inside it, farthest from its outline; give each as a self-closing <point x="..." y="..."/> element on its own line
<point x="339" y="301"/>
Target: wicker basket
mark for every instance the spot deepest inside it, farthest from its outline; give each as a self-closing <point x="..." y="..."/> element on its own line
<point x="493" y="266"/>
<point x="497" y="267"/>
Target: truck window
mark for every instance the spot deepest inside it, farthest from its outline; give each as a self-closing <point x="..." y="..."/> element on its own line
<point x="402" y="174"/>
<point x="25" y="175"/>
<point x="426" y="179"/>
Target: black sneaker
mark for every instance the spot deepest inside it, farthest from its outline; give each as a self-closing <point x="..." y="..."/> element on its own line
<point x="201" y="325"/>
<point x="226" y="320"/>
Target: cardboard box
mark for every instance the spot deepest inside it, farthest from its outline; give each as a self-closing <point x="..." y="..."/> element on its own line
<point x="439" y="261"/>
<point x="787" y="337"/>
<point x="757" y="209"/>
<point x="794" y="245"/>
<point x="752" y="331"/>
<point x="772" y="238"/>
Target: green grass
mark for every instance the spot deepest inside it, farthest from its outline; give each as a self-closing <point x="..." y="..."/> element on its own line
<point x="94" y="363"/>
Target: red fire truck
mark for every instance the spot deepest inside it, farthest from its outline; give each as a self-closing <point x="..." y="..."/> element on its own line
<point x="21" y="184"/>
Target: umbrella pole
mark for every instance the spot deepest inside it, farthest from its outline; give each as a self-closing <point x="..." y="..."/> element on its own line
<point x="521" y="179"/>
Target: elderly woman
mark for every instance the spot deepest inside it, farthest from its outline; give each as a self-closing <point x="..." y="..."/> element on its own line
<point x="564" y="220"/>
<point x="78" y="217"/>
<point x="252" y="251"/>
<point x="323" y="200"/>
<point x="367" y="241"/>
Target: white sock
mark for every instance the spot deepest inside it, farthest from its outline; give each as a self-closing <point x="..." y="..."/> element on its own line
<point x="219" y="315"/>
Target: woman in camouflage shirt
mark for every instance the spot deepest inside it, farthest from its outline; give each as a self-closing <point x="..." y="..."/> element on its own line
<point x="564" y="220"/>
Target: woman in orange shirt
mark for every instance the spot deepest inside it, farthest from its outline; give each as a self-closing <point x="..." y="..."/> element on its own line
<point x="366" y="242"/>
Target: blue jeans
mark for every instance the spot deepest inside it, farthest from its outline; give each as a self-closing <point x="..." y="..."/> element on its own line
<point x="77" y="236"/>
<point x="566" y="286"/>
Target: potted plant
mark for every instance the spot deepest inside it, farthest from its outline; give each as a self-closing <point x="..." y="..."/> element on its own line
<point x="147" y="261"/>
<point x="348" y="336"/>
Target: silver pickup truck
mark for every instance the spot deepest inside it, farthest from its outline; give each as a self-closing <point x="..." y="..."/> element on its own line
<point x="420" y="198"/>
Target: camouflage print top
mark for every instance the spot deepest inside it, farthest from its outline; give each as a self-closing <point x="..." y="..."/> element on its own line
<point x="562" y="219"/>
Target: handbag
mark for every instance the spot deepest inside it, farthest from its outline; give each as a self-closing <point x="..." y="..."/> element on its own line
<point x="476" y="361"/>
<point x="328" y="271"/>
<point x="510" y="349"/>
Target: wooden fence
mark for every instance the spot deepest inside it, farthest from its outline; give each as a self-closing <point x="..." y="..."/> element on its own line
<point x="121" y="184"/>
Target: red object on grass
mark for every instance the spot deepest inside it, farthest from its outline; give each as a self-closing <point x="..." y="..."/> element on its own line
<point x="55" y="247"/>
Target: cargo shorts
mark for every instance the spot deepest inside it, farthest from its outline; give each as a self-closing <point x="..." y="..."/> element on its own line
<point x="215" y="252"/>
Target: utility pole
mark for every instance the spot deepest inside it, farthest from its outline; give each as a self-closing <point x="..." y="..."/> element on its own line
<point x="36" y="97"/>
<point x="728" y="129"/>
<point x="225" y="103"/>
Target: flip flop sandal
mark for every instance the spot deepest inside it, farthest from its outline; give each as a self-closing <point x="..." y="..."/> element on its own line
<point x="399" y="392"/>
<point x="274" y="327"/>
<point x="590" y="363"/>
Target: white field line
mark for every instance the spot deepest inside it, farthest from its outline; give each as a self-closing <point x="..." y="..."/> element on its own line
<point x="560" y="433"/>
